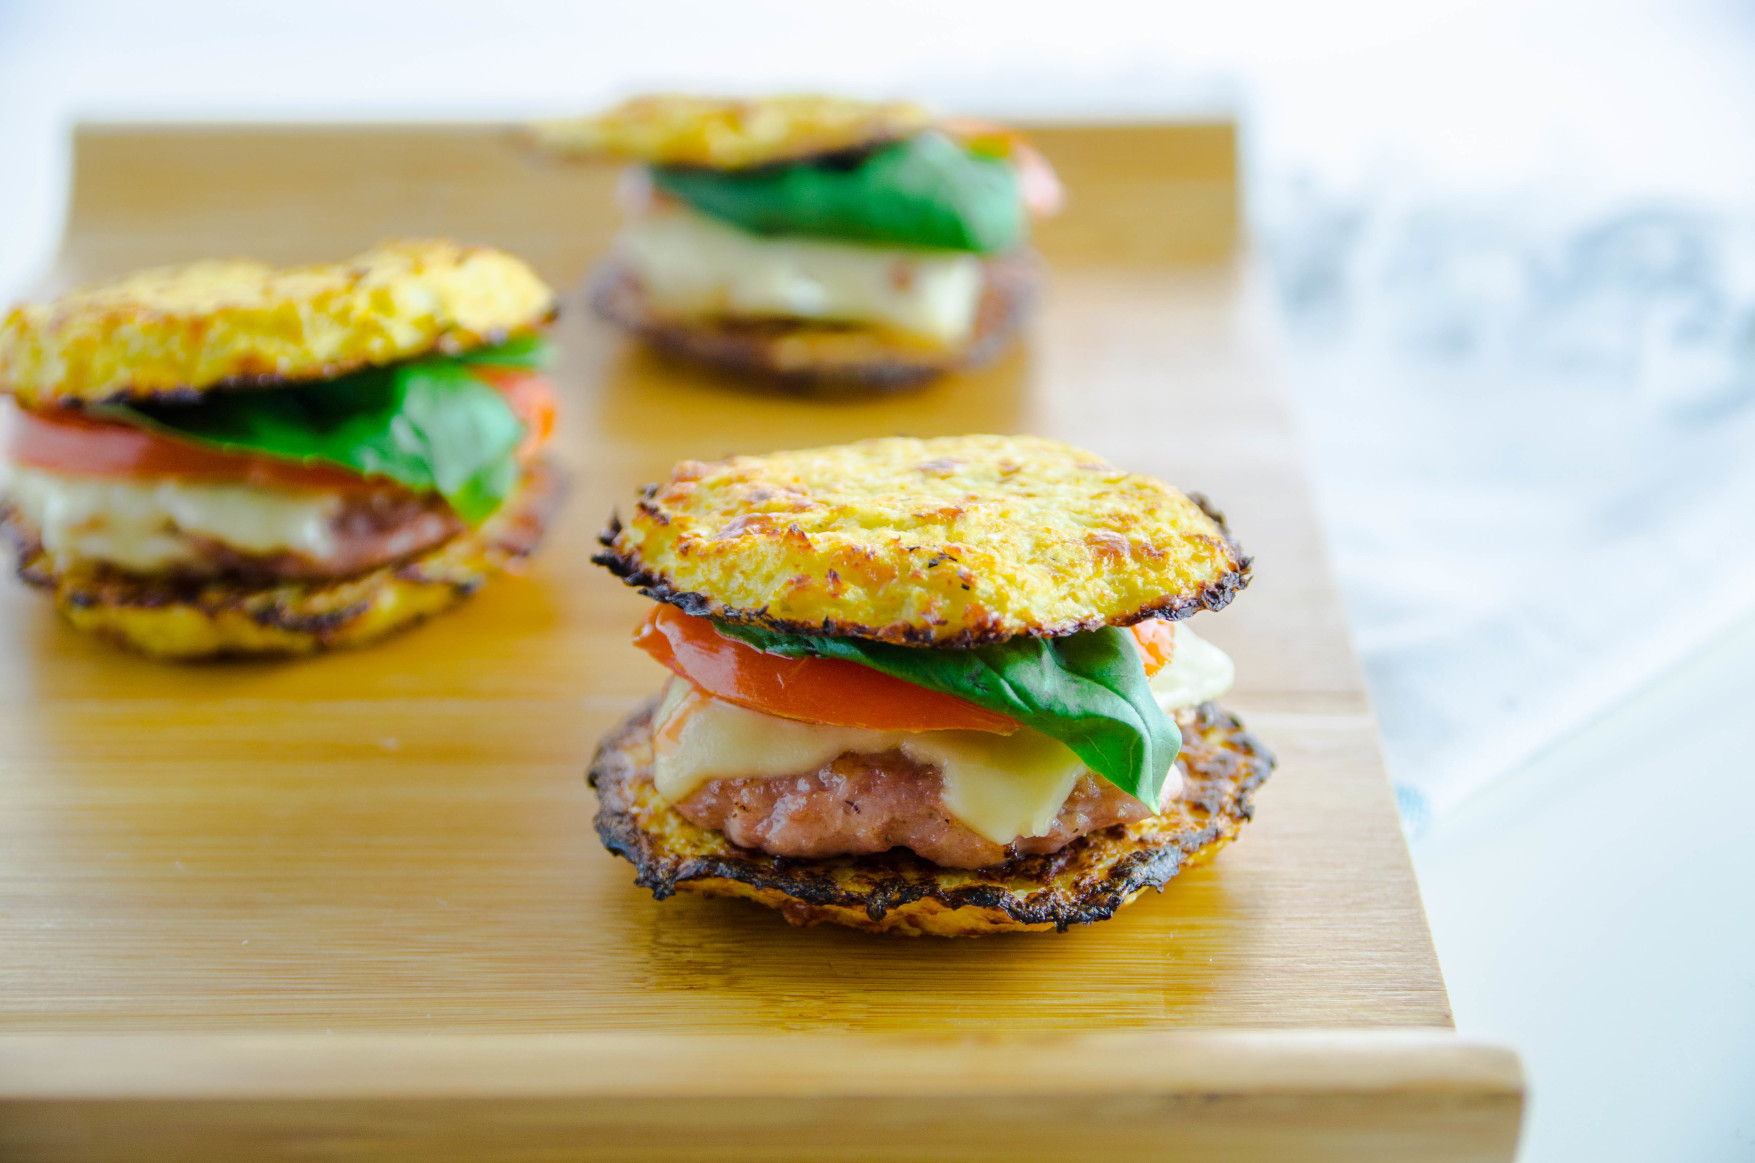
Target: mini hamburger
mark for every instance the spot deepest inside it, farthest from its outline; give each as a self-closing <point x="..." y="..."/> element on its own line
<point x="228" y="459"/>
<point x="925" y="686"/>
<point x="816" y="241"/>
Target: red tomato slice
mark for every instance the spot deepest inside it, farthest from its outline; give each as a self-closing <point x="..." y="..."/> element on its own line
<point x="816" y="690"/>
<point x="828" y="690"/>
<point x="1157" y="642"/>
<point x="68" y="441"/>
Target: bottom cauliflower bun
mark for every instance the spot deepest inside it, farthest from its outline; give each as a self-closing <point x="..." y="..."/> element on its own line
<point x="826" y="352"/>
<point x="898" y="892"/>
<point x="275" y="608"/>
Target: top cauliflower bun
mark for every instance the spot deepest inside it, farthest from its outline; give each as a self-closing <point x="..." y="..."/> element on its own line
<point x="177" y="331"/>
<point x="728" y="133"/>
<point x="956" y="541"/>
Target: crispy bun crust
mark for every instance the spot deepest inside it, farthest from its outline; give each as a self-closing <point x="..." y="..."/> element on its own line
<point x="189" y="619"/>
<point x="897" y="892"/>
<point x="730" y="133"/>
<point x="179" y="331"/>
<point x="821" y="358"/>
<point x="956" y="541"/>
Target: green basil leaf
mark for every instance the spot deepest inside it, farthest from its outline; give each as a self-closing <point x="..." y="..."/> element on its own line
<point x="925" y="191"/>
<point x="527" y="352"/>
<point x="428" y="423"/>
<point x="1088" y="690"/>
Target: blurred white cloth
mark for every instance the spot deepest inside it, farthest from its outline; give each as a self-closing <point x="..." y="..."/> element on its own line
<point x="1533" y="436"/>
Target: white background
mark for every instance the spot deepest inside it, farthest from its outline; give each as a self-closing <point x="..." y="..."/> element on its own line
<point x="1592" y="906"/>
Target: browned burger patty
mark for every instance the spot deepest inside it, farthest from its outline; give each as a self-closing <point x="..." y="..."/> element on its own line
<point x="898" y="891"/>
<point x="871" y="803"/>
<point x="807" y="355"/>
<point x="196" y="617"/>
<point x="369" y="530"/>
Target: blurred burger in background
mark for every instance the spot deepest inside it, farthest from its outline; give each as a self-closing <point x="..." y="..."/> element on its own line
<point x="225" y="458"/>
<point x="817" y="242"/>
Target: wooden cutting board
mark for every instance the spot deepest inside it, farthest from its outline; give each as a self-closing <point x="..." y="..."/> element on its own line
<point x="354" y="905"/>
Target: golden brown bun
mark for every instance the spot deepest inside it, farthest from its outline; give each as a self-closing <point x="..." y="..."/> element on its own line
<point x="897" y="892"/>
<point x="187" y="620"/>
<point x="179" y="331"/>
<point x="826" y="359"/>
<point x="731" y="133"/>
<point x="953" y="541"/>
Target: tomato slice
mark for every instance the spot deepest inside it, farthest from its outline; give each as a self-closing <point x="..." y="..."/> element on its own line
<point x="69" y="441"/>
<point x="829" y="690"/>
<point x="1157" y="642"/>
<point x="815" y="690"/>
<point x="66" y="441"/>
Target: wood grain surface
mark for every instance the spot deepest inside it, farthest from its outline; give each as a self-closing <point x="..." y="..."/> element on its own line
<point x="1357" y="1097"/>
<point x="397" y="843"/>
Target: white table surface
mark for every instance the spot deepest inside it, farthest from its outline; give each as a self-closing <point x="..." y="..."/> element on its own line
<point x="1595" y="908"/>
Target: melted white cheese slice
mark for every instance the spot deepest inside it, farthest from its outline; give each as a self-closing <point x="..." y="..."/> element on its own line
<point x="694" y="265"/>
<point x="145" y="525"/>
<point x="1001" y="786"/>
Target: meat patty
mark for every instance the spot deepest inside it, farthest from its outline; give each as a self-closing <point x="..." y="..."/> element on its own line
<point x="368" y="530"/>
<point x="862" y="804"/>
